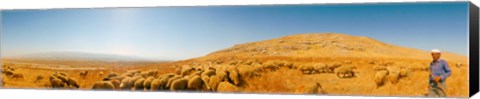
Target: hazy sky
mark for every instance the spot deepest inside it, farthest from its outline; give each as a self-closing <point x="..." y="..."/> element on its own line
<point x="187" y="32"/>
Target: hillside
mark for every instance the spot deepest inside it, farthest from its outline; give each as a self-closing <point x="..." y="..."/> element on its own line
<point x="328" y="45"/>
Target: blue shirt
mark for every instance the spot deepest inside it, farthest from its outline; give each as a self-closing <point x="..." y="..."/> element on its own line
<point x="440" y="68"/>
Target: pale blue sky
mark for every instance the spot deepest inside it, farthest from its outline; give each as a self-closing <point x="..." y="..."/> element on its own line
<point x="187" y="32"/>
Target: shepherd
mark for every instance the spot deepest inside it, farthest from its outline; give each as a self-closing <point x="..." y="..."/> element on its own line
<point x="439" y="72"/>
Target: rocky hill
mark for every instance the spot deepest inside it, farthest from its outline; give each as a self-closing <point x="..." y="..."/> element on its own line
<point x="328" y="45"/>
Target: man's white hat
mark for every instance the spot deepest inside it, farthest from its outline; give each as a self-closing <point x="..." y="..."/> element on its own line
<point x="435" y="51"/>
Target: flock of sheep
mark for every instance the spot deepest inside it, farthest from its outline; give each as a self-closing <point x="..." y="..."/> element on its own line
<point x="11" y="73"/>
<point x="387" y="72"/>
<point x="60" y="80"/>
<point x="185" y="78"/>
<point x="251" y="68"/>
<point x="214" y="76"/>
<point x="346" y="71"/>
<point x="221" y="76"/>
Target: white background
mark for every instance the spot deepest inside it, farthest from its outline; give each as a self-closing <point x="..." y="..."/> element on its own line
<point x="69" y="94"/>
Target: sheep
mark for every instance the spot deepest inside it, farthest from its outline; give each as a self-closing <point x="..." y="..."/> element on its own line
<point x="72" y="82"/>
<point x="119" y="78"/>
<point x="124" y="84"/>
<point x="170" y="80"/>
<point x="211" y="68"/>
<point x="127" y="74"/>
<point x="151" y="73"/>
<point x="320" y="68"/>
<point x="195" y="83"/>
<point x="345" y="72"/>
<point x="227" y="87"/>
<point x="63" y="78"/>
<point x="206" y="80"/>
<point x="404" y="72"/>
<point x="83" y="74"/>
<point x="103" y="85"/>
<point x="186" y="70"/>
<point x="148" y="82"/>
<point x="163" y="82"/>
<point x="62" y="73"/>
<point x="289" y="65"/>
<point x="155" y="85"/>
<point x="8" y="68"/>
<point x="12" y="69"/>
<point x="138" y="84"/>
<point x="271" y="65"/>
<point x="168" y="75"/>
<point x="116" y="83"/>
<point x="38" y="78"/>
<point x="111" y="75"/>
<point x="131" y="81"/>
<point x="8" y="72"/>
<point x="16" y="75"/>
<point x="380" y="77"/>
<point x="234" y="76"/>
<point x="131" y="73"/>
<point x="178" y="71"/>
<point x="55" y="82"/>
<point x="393" y="75"/>
<point x="306" y="69"/>
<point x="137" y="74"/>
<point x="283" y="63"/>
<point x="198" y="68"/>
<point x="222" y="74"/>
<point x="214" y="81"/>
<point x="247" y="71"/>
<point x="179" y="84"/>
<point x="331" y="67"/>
<point x="314" y="88"/>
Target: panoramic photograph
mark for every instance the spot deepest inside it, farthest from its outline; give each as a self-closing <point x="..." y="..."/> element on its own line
<point x="372" y="49"/>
